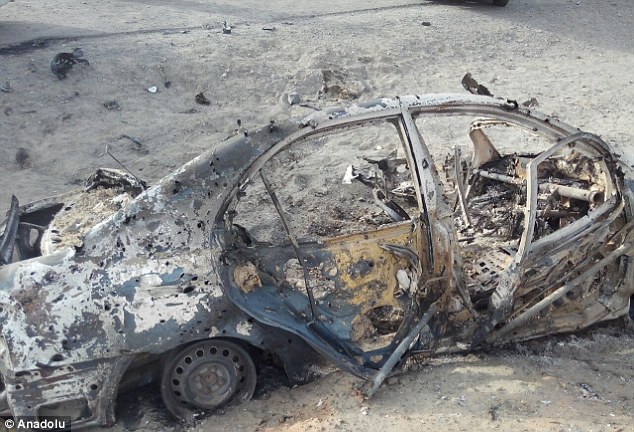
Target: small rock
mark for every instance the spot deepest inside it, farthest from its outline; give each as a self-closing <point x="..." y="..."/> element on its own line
<point x="472" y="86"/>
<point x="350" y="174"/>
<point x="63" y="62"/>
<point x="532" y="102"/>
<point x="493" y="413"/>
<point x="22" y="157"/>
<point x="202" y="99"/>
<point x="6" y="87"/>
<point x="426" y="23"/>
<point x="152" y="89"/>
<point x="112" y="105"/>
<point x="320" y="403"/>
<point x="293" y="98"/>
<point x="283" y="417"/>
<point x="587" y="392"/>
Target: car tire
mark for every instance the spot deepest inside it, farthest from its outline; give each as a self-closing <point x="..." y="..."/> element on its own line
<point x="500" y="2"/>
<point x="206" y="375"/>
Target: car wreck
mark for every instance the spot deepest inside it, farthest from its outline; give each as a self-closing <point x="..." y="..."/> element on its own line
<point x="412" y="226"/>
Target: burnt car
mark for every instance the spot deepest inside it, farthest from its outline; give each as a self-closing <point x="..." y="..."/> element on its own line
<point x="417" y="225"/>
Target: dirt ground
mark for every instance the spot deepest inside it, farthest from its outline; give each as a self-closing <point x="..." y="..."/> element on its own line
<point x="574" y="57"/>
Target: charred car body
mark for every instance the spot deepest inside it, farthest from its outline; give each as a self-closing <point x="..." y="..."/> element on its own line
<point x="258" y="244"/>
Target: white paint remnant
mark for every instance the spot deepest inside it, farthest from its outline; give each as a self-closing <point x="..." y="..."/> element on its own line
<point x="403" y="280"/>
<point x="150" y="280"/>
<point x="244" y="328"/>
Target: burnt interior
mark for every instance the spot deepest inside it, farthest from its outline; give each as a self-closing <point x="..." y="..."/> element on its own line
<point x="303" y="225"/>
<point x="490" y="237"/>
<point x="490" y="226"/>
<point x="307" y="232"/>
<point x="571" y="184"/>
<point x="45" y="226"/>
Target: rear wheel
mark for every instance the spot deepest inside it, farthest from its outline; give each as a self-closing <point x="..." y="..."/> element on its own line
<point x="207" y="375"/>
<point x="500" y="2"/>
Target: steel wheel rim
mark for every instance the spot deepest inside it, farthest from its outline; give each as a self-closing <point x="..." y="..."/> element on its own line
<point x="207" y="375"/>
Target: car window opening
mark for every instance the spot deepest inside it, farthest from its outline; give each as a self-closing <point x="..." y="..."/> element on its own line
<point x="316" y="224"/>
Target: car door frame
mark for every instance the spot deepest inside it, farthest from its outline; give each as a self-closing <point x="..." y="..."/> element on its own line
<point x="560" y="134"/>
<point x="420" y="163"/>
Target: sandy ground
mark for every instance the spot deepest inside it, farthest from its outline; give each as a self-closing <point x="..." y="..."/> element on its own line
<point x="575" y="57"/>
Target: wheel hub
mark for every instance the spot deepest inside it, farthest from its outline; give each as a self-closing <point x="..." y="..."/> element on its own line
<point x="209" y="379"/>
